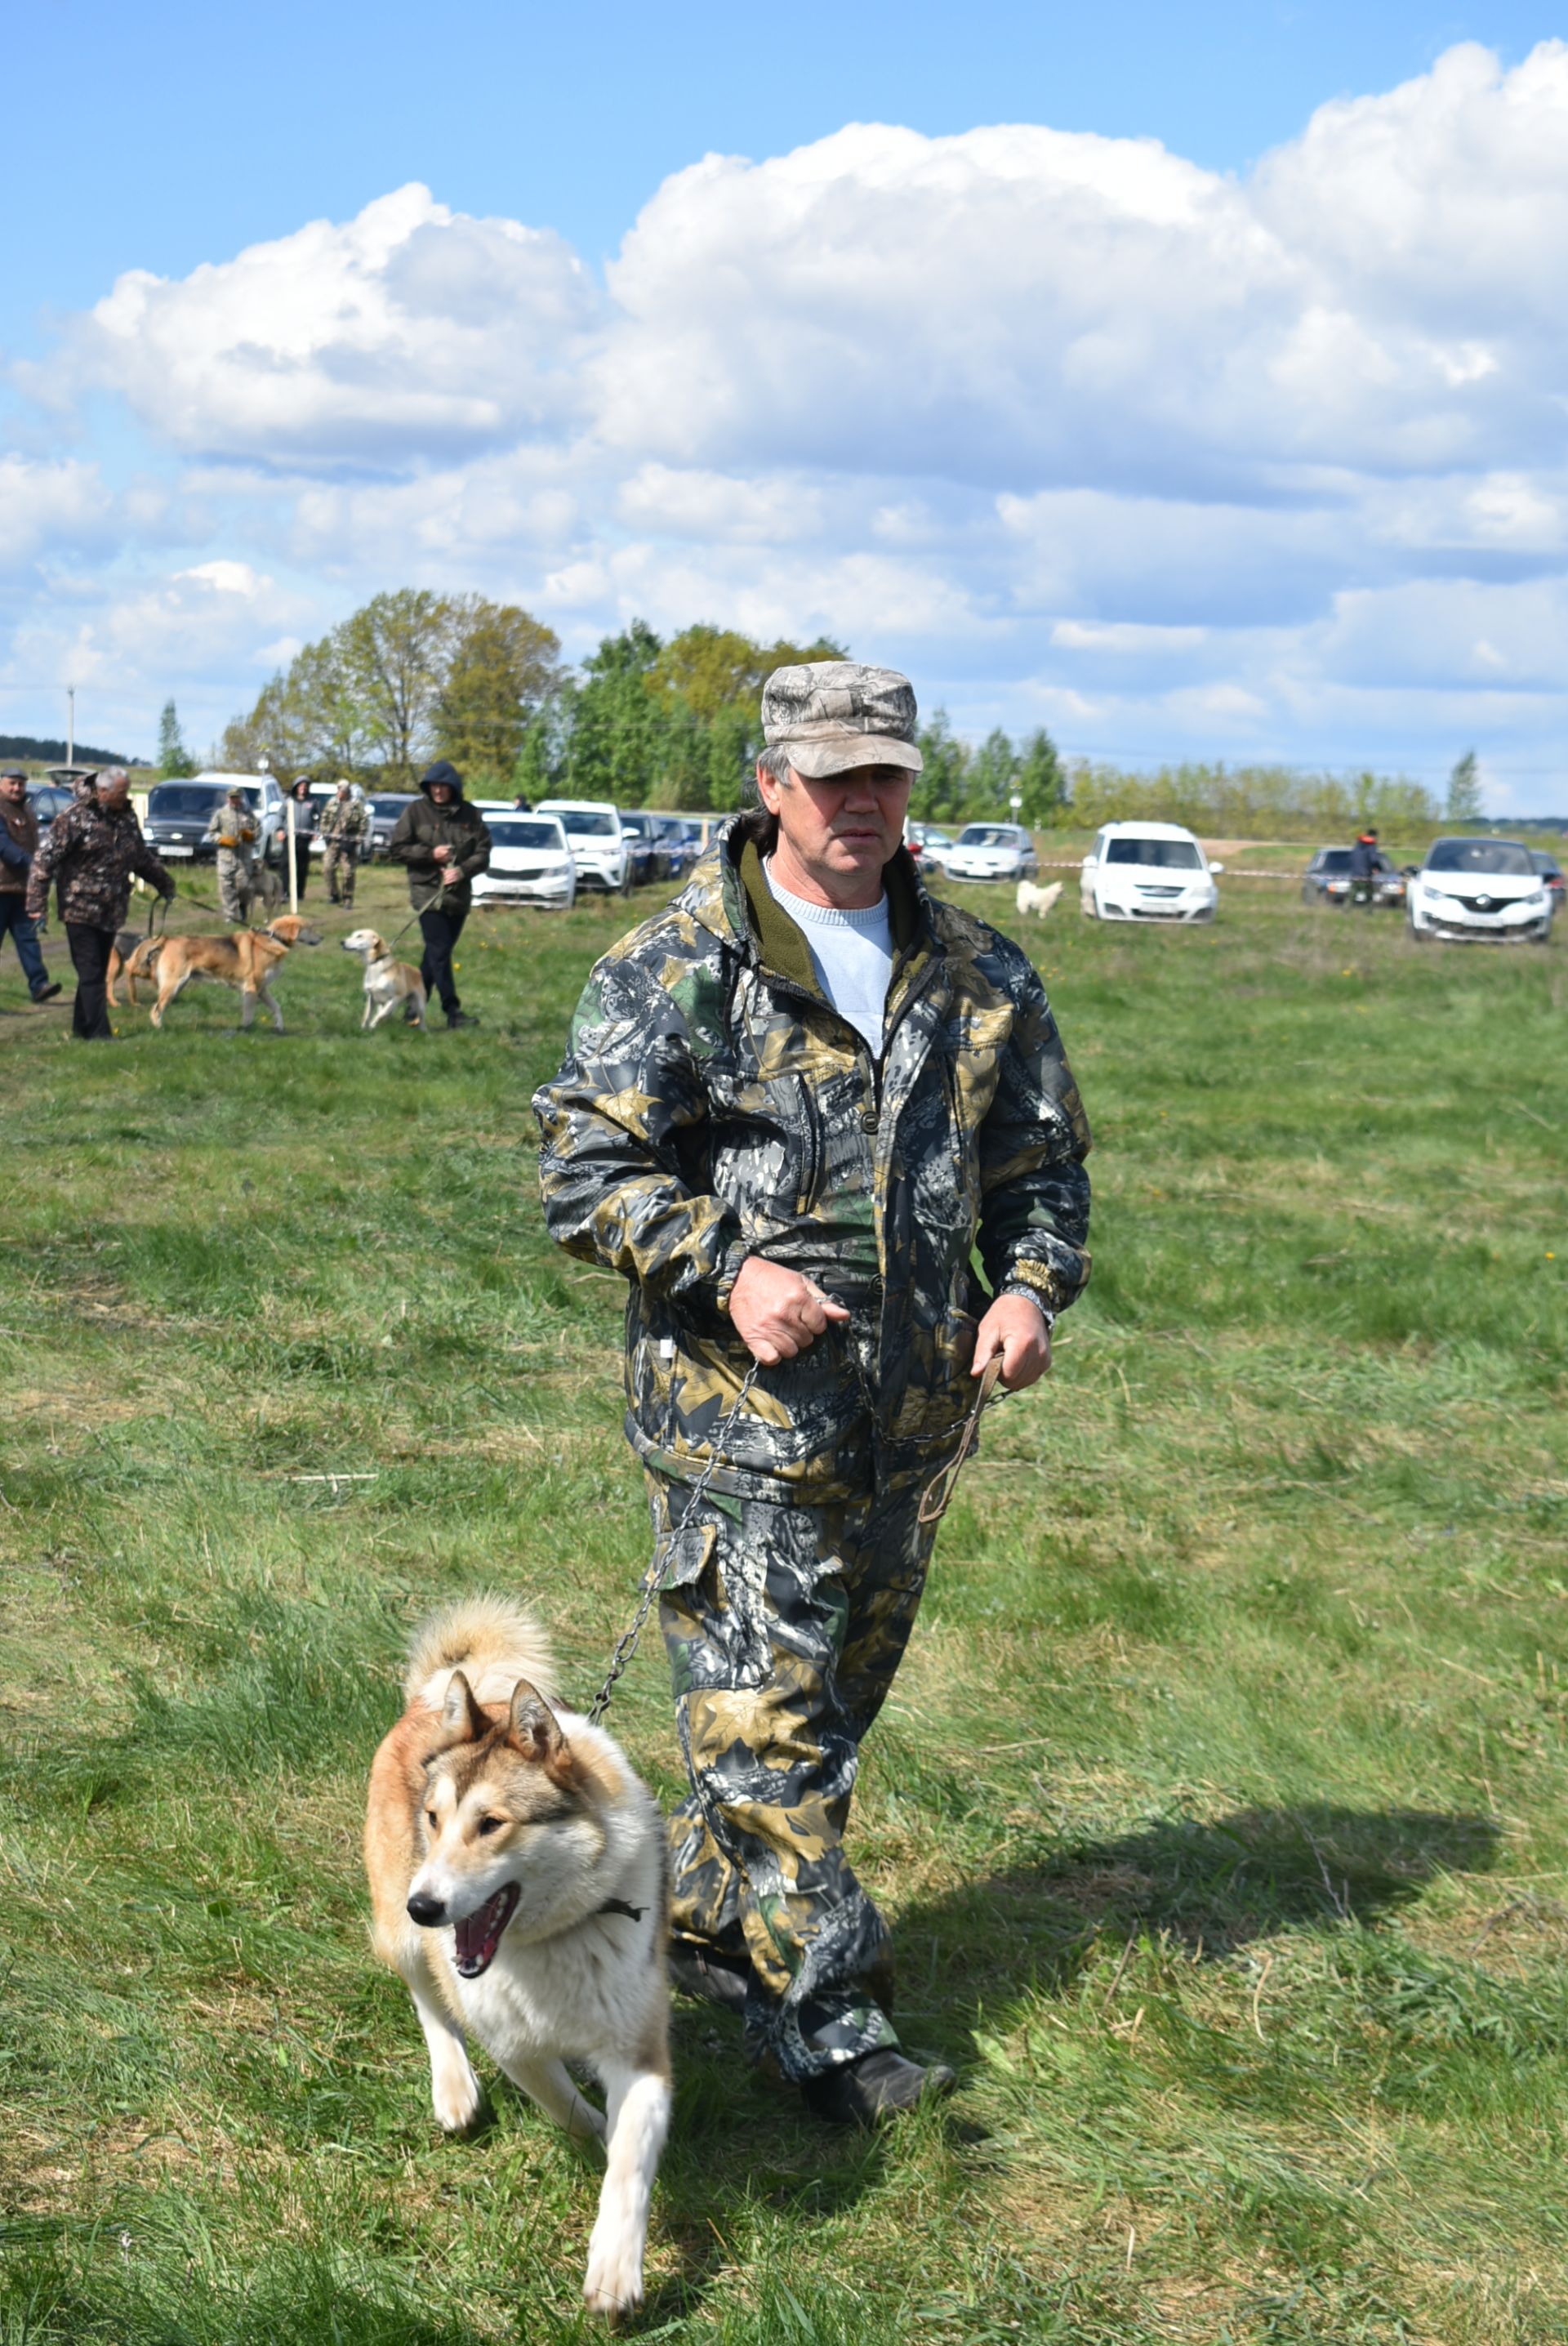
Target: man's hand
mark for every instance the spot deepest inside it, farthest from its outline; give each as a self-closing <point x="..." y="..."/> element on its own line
<point x="450" y="874"/>
<point x="778" y="1313"/>
<point x="441" y="854"/>
<point x="1017" y="1329"/>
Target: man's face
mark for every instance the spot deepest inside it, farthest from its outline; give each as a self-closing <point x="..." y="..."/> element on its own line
<point x="13" y="788"/>
<point x="849" y="826"/>
<point x="440" y="792"/>
<point x="114" y="794"/>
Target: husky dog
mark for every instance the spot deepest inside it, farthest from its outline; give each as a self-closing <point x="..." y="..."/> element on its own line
<point x="517" y="1877"/>
<point x="388" y="982"/>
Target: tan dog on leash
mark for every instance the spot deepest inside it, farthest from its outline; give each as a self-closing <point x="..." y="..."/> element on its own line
<point x="388" y="982"/>
<point x="517" y="1875"/>
<point x="246" y="959"/>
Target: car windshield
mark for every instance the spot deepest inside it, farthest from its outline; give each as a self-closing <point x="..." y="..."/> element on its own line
<point x="987" y="834"/>
<point x="523" y="833"/>
<point x="1499" y="859"/>
<point x="583" y="823"/>
<point x="1164" y="854"/>
<point x="189" y="799"/>
<point x="390" y="804"/>
<point x="1334" y="859"/>
<point x="638" y="823"/>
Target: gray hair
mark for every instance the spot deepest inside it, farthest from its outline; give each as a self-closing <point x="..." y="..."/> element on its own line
<point x="775" y="761"/>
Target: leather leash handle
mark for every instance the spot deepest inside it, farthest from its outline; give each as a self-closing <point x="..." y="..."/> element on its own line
<point x="934" y="1504"/>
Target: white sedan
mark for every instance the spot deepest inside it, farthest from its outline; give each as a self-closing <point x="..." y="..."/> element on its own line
<point x="530" y="862"/>
<point x="992" y="850"/>
<point x="1148" y="871"/>
<point x="1479" y="888"/>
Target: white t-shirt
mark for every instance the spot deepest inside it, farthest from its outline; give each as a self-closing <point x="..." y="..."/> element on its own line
<point x="852" y="953"/>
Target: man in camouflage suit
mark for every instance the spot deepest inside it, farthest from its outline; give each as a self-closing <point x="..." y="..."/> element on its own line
<point x="92" y="850"/>
<point x="793" y="1103"/>
<point x="343" y="824"/>
<point x="235" y="828"/>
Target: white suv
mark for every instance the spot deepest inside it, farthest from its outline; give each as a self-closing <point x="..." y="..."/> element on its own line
<point x="1479" y="888"/>
<point x="600" y="848"/>
<point x="1148" y="871"/>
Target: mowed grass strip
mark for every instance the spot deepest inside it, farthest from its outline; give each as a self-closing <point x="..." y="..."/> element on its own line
<point x="1219" y="1806"/>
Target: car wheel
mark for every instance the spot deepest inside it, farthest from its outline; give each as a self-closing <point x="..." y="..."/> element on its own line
<point x="1419" y="936"/>
<point x="626" y="886"/>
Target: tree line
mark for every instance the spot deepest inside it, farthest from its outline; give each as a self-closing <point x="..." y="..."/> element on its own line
<point x="674" y="721"/>
<point x="644" y="720"/>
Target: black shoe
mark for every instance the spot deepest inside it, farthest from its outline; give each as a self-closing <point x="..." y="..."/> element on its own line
<point x="703" y="1971"/>
<point x="461" y="1018"/>
<point x="876" y="2086"/>
<point x="47" y="993"/>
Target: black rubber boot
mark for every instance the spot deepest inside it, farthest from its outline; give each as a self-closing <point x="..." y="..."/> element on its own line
<point x="876" y="2088"/>
<point x="461" y="1018"/>
<point x="703" y="1971"/>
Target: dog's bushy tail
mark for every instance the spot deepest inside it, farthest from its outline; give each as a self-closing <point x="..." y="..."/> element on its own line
<point x="493" y="1641"/>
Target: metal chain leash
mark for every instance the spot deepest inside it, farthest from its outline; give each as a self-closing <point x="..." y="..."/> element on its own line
<point x="627" y="1645"/>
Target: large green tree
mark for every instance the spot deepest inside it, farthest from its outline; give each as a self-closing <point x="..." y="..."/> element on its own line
<point x="501" y="667"/>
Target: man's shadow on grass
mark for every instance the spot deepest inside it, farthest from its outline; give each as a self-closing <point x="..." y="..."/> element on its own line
<point x="1209" y="1887"/>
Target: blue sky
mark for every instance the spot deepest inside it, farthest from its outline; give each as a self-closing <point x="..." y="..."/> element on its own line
<point x="589" y="374"/>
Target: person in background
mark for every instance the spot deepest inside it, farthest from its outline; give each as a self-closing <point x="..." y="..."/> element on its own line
<point x="445" y="844"/>
<point x="235" y="828"/>
<point x="304" y="830"/>
<point x="92" y="850"/>
<point x="342" y="823"/>
<point x="19" y="845"/>
<point x="1365" y="863"/>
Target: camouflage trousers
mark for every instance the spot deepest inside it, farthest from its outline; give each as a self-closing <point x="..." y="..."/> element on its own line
<point x="236" y="884"/>
<point x="338" y="865"/>
<point x="785" y="1625"/>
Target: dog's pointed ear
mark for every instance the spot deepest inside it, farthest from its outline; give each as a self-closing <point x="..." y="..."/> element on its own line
<point x="536" y="1731"/>
<point x="462" y="1720"/>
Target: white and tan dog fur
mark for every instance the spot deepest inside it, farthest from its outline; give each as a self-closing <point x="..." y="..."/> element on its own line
<point x="388" y="982"/>
<point x="1037" y="900"/>
<point x="517" y="1878"/>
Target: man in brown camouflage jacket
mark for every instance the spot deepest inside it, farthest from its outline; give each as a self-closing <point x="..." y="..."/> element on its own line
<point x="792" y="1166"/>
<point x="92" y="850"/>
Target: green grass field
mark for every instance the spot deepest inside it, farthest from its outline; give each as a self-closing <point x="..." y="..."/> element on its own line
<point x="1220" y="1806"/>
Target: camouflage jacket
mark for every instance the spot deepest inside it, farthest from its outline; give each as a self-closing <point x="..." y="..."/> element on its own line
<point x="93" y="853"/>
<point x="713" y="1105"/>
<point x="345" y="821"/>
<point x="236" y="831"/>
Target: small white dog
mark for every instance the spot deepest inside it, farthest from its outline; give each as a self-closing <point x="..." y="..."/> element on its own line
<point x="518" y="1874"/>
<point x="1037" y="900"/>
<point x="388" y="982"/>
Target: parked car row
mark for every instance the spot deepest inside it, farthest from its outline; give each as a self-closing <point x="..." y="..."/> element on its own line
<point x="549" y="853"/>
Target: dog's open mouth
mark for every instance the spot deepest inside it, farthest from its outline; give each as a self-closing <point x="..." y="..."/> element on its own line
<point x="479" y="1934"/>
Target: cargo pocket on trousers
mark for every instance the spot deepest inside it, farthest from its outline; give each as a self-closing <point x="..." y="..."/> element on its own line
<point x="685" y="1553"/>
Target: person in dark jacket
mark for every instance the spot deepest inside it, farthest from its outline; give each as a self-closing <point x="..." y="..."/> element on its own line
<point x="92" y="851"/>
<point x="1366" y="862"/>
<point x="445" y="844"/>
<point x="304" y="829"/>
<point x="19" y="845"/>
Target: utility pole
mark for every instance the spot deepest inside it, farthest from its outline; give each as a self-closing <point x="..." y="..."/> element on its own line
<point x="70" y="725"/>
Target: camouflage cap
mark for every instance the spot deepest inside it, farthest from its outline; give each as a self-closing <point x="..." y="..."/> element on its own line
<point x="832" y="716"/>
